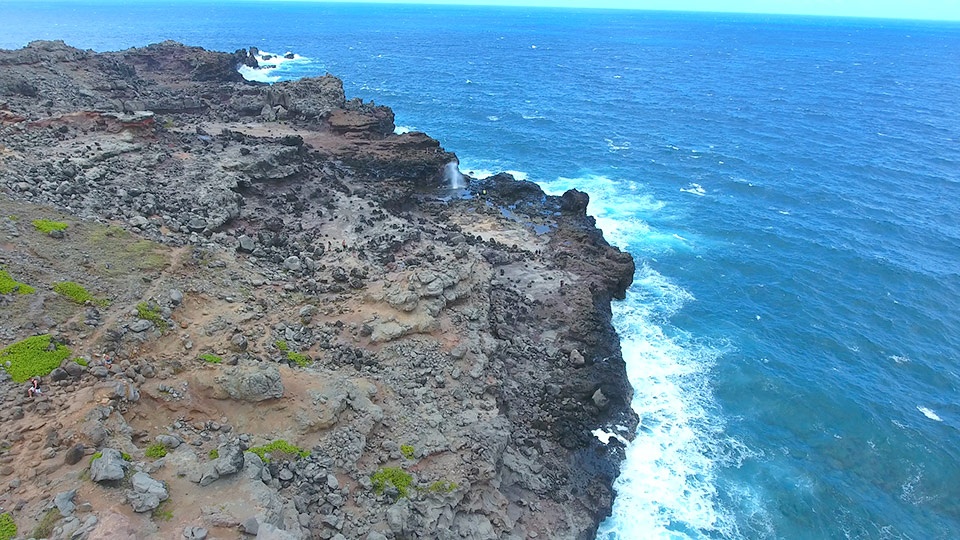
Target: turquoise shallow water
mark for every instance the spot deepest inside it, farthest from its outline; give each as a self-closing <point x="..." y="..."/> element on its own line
<point x="790" y="188"/>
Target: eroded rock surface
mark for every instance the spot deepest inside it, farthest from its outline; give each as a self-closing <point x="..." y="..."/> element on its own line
<point x="274" y="263"/>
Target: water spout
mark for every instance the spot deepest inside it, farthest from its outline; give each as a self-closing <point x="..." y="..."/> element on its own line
<point x="453" y="176"/>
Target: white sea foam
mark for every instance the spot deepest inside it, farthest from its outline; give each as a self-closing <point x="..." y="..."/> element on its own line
<point x="400" y="130"/>
<point x="493" y="118"/>
<point x="270" y="65"/>
<point x="667" y="483"/>
<point x="695" y="189"/>
<point x="617" y="146"/>
<point x="929" y="414"/>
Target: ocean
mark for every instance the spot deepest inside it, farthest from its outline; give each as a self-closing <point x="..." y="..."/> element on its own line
<point x="789" y="187"/>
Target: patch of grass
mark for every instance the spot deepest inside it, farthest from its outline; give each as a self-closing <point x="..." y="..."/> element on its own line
<point x="46" y="226"/>
<point x="214" y="454"/>
<point x="211" y="358"/>
<point x="76" y="293"/>
<point x="440" y="486"/>
<point x="125" y="456"/>
<point x="95" y="456"/>
<point x="149" y="255"/>
<point x="9" y="285"/>
<point x="82" y="361"/>
<point x="282" y="345"/>
<point x="161" y="512"/>
<point x="407" y="451"/>
<point x="156" y="451"/>
<point x="395" y="476"/>
<point x="8" y="529"/>
<point x="45" y="527"/>
<point x="32" y="357"/>
<point x="152" y="313"/>
<point x="299" y="359"/>
<point x="124" y="252"/>
<point x="279" y="446"/>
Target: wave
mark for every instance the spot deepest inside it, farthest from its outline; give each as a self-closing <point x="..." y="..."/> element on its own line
<point x="270" y="65"/>
<point x="667" y="486"/>
<point x="400" y="130"/>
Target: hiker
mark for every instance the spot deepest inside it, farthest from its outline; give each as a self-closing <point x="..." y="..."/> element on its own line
<point x="34" y="389"/>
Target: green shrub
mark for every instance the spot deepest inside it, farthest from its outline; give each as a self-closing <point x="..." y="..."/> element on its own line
<point x="211" y="358"/>
<point x="214" y="454"/>
<point x="394" y="476"/>
<point x="156" y="451"/>
<point x="152" y="313"/>
<point x="46" y="226"/>
<point x="441" y="486"/>
<point x="82" y="361"/>
<point x="407" y="451"/>
<point x="32" y="357"/>
<point x="279" y="446"/>
<point x="125" y="456"/>
<point x="282" y="345"/>
<point x="9" y="285"/>
<point x="299" y="359"/>
<point x="45" y="527"/>
<point x="77" y="293"/>
<point x="162" y="513"/>
<point x="8" y="529"/>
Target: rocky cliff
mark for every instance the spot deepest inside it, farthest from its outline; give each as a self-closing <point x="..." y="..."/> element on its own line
<point x="291" y="326"/>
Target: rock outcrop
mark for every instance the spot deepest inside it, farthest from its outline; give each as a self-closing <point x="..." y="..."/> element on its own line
<point x="273" y="273"/>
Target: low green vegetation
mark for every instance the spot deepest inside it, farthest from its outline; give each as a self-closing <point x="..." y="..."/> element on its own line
<point x="394" y="476"/>
<point x="9" y="285"/>
<point x="299" y="359"/>
<point x="279" y="449"/>
<point x="211" y="358"/>
<point x="123" y="251"/>
<point x="162" y="513"/>
<point x="32" y="357"/>
<point x="76" y="293"/>
<point x="8" y="529"/>
<point x="441" y="486"/>
<point x="45" y="527"/>
<point x="151" y="313"/>
<point x="407" y="451"/>
<point x="82" y="361"/>
<point x="156" y="451"/>
<point x="214" y="454"/>
<point x="46" y="226"/>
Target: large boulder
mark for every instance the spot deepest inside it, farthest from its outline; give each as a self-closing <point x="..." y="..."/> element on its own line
<point x="250" y="383"/>
<point x="109" y="467"/>
<point x="147" y="493"/>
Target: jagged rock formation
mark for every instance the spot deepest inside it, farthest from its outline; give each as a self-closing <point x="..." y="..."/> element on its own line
<point x="281" y="265"/>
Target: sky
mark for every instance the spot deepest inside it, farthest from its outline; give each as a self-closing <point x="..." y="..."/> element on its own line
<point x="893" y="9"/>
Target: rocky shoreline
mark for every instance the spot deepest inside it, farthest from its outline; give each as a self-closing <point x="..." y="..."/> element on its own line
<point x="272" y="263"/>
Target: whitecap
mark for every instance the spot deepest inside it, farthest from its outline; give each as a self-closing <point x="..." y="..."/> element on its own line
<point x="493" y="118"/>
<point x="616" y="146"/>
<point x="400" y="130"/>
<point x="695" y="189"/>
<point x="929" y="414"/>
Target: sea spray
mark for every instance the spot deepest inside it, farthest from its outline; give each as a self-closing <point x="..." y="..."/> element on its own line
<point x="453" y="176"/>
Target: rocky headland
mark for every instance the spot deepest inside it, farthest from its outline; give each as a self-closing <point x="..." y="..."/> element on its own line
<point x="279" y="321"/>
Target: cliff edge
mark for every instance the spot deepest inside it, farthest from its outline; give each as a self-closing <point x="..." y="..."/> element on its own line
<point x="269" y="315"/>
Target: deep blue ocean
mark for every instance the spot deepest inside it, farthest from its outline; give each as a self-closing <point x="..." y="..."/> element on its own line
<point x="790" y="188"/>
